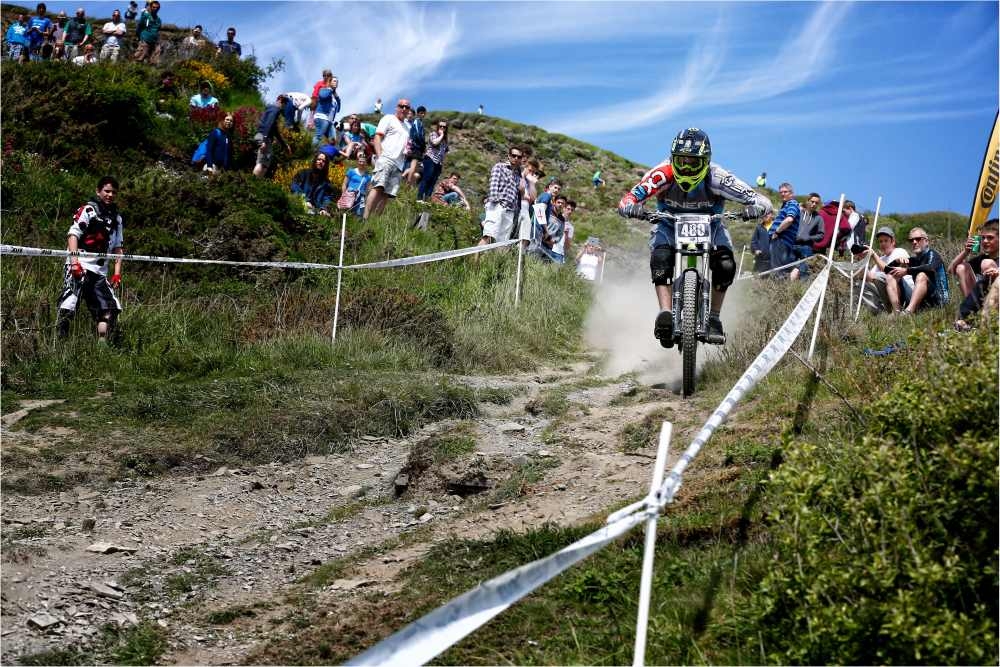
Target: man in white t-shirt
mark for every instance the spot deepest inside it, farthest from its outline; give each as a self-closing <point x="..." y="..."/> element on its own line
<point x="883" y="282"/>
<point x="390" y="146"/>
<point x="114" y="32"/>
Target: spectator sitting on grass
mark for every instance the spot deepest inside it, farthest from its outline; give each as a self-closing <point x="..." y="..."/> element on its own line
<point x="229" y="46"/>
<point x="887" y="287"/>
<point x="89" y="56"/>
<point x="114" y="33"/>
<point x="926" y="271"/>
<point x="976" y="275"/>
<point x="267" y="135"/>
<point x="97" y="227"/>
<point x="357" y="180"/>
<point x="354" y="140"/>
<point x="219" y="150"/>
<point x="17" y="38"/>
<point x="597" y="180"/>
<point x="551" y="233"/>
<point x="204" y="99"/>
<point x="448" y="193"/>
<point x="760" y="243"/>
<point x="314" y="186"/>
<point x="810" y="231"/>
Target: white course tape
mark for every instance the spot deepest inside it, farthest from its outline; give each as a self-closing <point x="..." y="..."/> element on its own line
<point x="391" y="263"/>
<point x="765" y="361"/>
<point x="747" y="276"/>
<point x="430" y="635"/>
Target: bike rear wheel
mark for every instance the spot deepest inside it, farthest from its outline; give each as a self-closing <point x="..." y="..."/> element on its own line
<point x="689" y="330"/>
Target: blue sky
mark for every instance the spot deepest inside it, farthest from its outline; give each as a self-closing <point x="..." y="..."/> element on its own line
<point x="894" y="99"/>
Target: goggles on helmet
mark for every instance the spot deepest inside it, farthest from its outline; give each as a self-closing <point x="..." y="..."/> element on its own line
<point x="689" y="165"/>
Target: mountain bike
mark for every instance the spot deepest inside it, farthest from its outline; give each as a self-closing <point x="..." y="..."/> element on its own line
<point x="692" y="286"/>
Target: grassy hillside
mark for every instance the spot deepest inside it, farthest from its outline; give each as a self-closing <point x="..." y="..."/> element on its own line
<point x="848" y="520"/>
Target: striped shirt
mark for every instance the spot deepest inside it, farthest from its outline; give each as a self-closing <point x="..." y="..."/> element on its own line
<point x="503" y="186"/>
<point x="437" y="148"/>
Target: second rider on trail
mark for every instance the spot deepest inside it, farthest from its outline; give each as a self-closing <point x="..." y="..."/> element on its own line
<point x="690" y="183"/>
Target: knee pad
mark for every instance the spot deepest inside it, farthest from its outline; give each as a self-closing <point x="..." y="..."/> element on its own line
<point x="723" y="266"/>
<point x="661" y="265"/>
<point x="109" y="316"/>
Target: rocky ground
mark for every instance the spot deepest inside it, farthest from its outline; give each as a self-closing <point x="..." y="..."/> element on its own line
<point x="193" y="554"/>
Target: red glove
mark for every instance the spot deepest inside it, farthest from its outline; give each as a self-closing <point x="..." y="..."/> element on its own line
<point x="76" y="269"/>
<point x="115" y="280"/>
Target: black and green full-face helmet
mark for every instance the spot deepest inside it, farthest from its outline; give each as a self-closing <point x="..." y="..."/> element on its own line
<point x="690" y="155"/>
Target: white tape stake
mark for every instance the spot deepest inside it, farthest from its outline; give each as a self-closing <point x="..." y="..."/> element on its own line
<point x="868" y="259"/>
<point x="646" y="583"/>
<point x="829" y="259"/>
<point x="743" y="254"/>
<point x="517" y="279"/>
<point x="604" y="260"/>
<point x="340" y="275"/>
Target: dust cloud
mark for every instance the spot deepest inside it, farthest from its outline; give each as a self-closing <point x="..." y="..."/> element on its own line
<point x="620" y="323"/>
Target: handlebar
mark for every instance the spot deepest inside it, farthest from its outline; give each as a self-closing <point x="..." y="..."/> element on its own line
<point x="658" y="216"/>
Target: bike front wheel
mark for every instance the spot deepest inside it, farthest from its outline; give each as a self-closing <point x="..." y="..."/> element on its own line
<point x="689" y="330"/>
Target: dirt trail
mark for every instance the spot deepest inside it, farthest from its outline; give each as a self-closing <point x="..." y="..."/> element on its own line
<point x="183" y="547"/>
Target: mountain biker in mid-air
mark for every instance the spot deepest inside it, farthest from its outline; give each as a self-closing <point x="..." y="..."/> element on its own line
<point x="690" y="183"/>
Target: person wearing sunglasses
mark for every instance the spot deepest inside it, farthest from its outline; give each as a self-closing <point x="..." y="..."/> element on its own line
<point x="504" y="198"/>
<point x="929" y="285"/>
<point x="689" y="183"/>
<point x="976" y="275"/>
<point x="390" y="146"/>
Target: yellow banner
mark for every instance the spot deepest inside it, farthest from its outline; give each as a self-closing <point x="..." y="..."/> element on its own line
<point x="989" y="179"/>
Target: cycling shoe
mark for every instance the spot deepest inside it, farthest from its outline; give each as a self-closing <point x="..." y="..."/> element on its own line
<point x="664" y="328"/>
<point x="715" y="335"/>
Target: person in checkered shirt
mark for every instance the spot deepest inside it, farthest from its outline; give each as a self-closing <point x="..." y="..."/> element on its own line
<point x="504" y="198"/>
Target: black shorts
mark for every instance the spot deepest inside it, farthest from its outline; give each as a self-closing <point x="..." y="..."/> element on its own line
<point x="93" y="288"/>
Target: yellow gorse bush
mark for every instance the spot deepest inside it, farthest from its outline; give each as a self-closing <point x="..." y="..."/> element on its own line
<point x="193" y="72"/>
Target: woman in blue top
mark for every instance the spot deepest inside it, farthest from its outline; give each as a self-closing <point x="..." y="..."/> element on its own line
<point x="219" y="149"/>
<point x="357" y="180"/>
<point x="314" y="186"/>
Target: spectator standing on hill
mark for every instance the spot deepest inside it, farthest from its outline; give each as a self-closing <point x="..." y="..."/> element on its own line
<point x="132" y="11"/>
<point x="437" y="149"/>
<point x="886" y="286"/>
<point x="40" y="28"/>
<point x="390" y="145"/>
<point x="503" y="199"/>
<point x="219" y="146"/>
<point x="590" y="259"/>
<point x="326" y="106"/>
<point x="229" y="46"/>
<point x="810" y="231"/>
<point x="551" y="236"/>
<point x="976" y="275"/>
<point x="204" y="99"/>
<point x="416" y="146"/>
<point x="97" y="227"/>
<point x="17" y="38"/>
<point x="355" y="187"/>
<point x="480" y="110"/>
<point x="930" y="285"/>
<point x="268" y="133"/>
<point x="354" y="140"/>
<point x="542" y="209"/>
<point x="448" y="193"/>
<point x="193" y="43"/>
<point x="785" y="230"/>
<point x="78" y="34"/>
<point x="564" y="247"/>
<point x="55" y="49"/>
<point x="114" y="33"/>
<point x="857" y="224"/>
<point x="89" y="56"/>
<point x="528" y="190"/>
<point x="148" y="27"/>
<point x="378" y="107"/>
<point x="298" y="104"/>
<point x="760" y="243"/>
<point x="762" y="180"/>
<point x="314" y="186"/>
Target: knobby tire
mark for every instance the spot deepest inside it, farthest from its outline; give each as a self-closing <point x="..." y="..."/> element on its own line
<point x="689" y="331"/>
